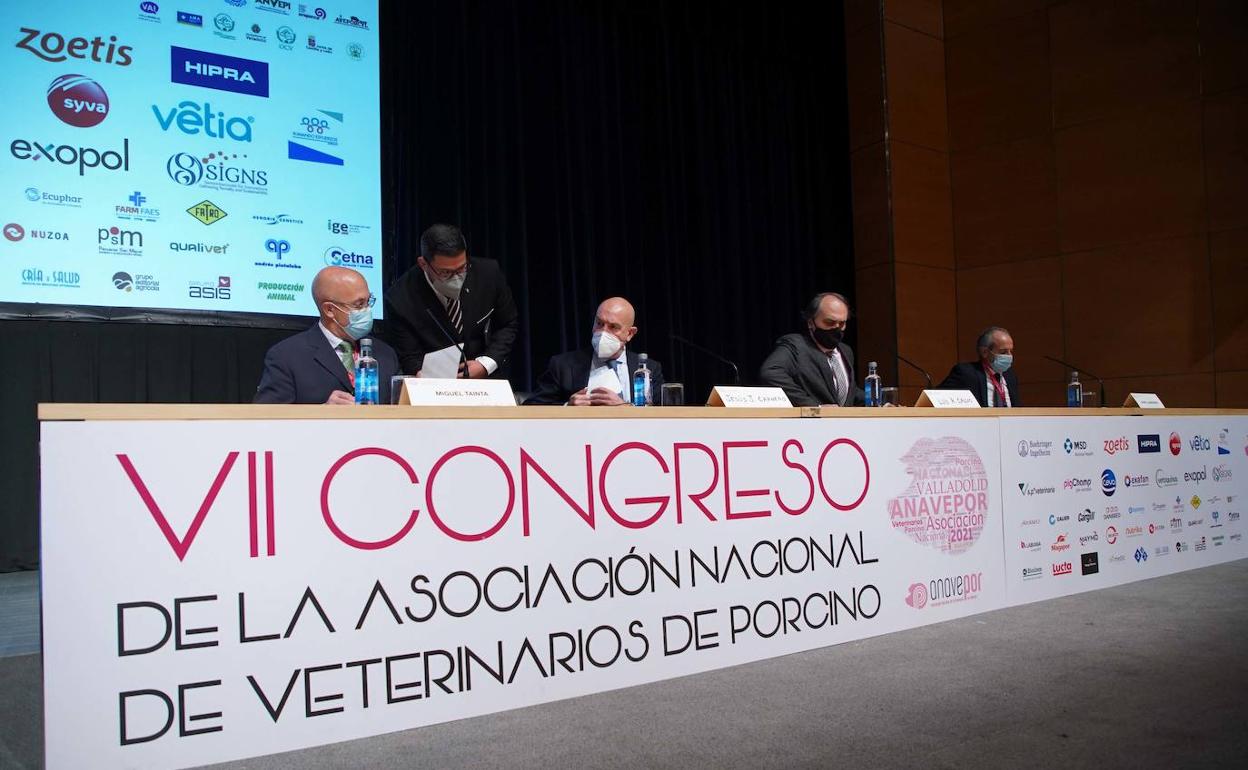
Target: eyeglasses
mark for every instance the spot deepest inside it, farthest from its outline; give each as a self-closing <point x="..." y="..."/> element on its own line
<point x="447" y="275"/>
<point x="372" y="300"/>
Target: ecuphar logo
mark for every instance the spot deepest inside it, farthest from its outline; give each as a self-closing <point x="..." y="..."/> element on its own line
<point x="218" y="71"/>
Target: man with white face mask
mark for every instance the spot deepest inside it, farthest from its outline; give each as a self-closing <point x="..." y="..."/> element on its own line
<point x="991" y="379"/>
<point x="452" y="298"/>
<point x="317" y="366"/>
<point x="601" y="375"/>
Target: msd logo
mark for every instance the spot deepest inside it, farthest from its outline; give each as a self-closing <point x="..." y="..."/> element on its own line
<point x="223" y="73"/>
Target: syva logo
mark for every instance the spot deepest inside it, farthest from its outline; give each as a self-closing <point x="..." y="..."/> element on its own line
<point x="195" y="117"/>
<point x="78" y="100"/>
<point x="52" y="46"/>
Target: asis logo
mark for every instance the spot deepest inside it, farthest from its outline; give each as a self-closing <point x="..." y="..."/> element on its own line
<point x="1109" y="483"/>
<point x="78" y="100"/>
<point x="1176" y="444"/>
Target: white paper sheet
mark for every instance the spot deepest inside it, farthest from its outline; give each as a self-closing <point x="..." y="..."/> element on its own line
<point x="604" y="377"/>
<point x="442" y="363"/>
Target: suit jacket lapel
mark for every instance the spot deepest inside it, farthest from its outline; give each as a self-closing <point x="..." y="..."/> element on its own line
<point x="437" y="306"/>
<point x="327" y="357"/>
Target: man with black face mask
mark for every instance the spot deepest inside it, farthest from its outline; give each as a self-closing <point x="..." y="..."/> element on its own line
<point x="450" y="296"/>
<point x="815" y="367"/>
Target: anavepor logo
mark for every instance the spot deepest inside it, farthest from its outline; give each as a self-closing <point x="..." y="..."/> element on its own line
<point x="945" y="590"/>
<point x="193" y="117"/>
<point x="1148" y="443"/>
<point x="52" y="46"/>
<point x="223" y="73"/>
<point x="68" y="155"/>
<point x="1108" y="482"/>
<point x="78" y="100"/>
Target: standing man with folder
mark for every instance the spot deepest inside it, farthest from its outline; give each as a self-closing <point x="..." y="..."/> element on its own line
<point x="449" y="299"/>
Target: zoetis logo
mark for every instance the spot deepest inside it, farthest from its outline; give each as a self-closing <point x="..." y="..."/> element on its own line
<point x="54" y="47"/>
<point x="68" y="155"/>
<point x="1113" y="446"/>
<point x="945" y="590"/>
<point x="78" y="100"/>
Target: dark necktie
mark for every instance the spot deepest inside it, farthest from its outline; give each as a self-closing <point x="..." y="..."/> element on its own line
<point x="456" y="316"/>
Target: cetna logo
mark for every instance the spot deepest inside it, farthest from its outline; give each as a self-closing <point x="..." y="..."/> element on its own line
<point x="1109" y="483"/>
<point x="218" y="71"/>
<point x="1176" y="444"/>
<point x="1148" y="443"/>
<point x="342" y="258"/>
<point x="1113" y="446"/>
<point x="68" y="155"/>
<point x="78" y="100"/>
<point x="53" y="46"/>
<point x="916" y="596"/>
<point x="193" y="117"/>
<point x="14" y="232"/>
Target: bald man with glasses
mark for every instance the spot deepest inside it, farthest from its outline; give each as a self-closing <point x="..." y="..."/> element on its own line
<point x="317" y="366"/>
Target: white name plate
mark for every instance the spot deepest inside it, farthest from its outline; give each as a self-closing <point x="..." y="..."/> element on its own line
<point x="430" y="391"/>
<point x="1144" y="401"/>
<point x="747" y="398"/>
<point x="948" y="399"/>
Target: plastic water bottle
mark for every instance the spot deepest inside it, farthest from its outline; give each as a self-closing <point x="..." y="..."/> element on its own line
<point x="641" y="381"/>
<point x="1074" y="391"/>
<point x="366" y="375"/>
<point x="873" y="386"/>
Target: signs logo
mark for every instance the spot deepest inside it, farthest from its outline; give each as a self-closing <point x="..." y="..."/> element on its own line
<point x="78" y="100"/>
<point x="14" y="232"/>
<point x="193" y="117"/>
<point x="1090" y="563"/>
<point x="1109" y="483"/>
<point x="1148" y="443"/>
<point x="1221" y="472"/>
<point x="52" y="46"/>
<point x="1113" y="446"/>
<point x="218" y="71"/>
<point x="207" y="212"/>
<point x="216" y="171"/>
<point x="68" y="155"/>
<point x="945" y="504"/>
<point x="1176" y="444"/>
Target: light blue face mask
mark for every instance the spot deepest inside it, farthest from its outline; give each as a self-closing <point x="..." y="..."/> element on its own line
<point x="1002" y="362"/>
<point x="359" y="322"/>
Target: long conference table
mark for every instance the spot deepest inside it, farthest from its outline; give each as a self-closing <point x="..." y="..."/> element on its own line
<point x="221" y="582"/>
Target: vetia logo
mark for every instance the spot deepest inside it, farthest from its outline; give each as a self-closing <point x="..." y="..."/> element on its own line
<point x="218" y="71"/>
<point x="52" y="46"/>
<point x="916" y="596"/>
<point x="193" y="117"/>
<point x="78" y="100"/>
<point x="1176" y="444"/>
<point x="1113" y="446"/>
<point x="1148" y="443"/>
<point x="1064" y="568"/>
<point x="1200" y="444"/>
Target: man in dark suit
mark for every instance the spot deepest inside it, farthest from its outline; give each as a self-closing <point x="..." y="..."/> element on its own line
<point x="990" y="379"/>
<point x="815" y="367"/>
<point x="317" y="366"/>
<point x="603" y="374"/>
<point x="446" y="297"/>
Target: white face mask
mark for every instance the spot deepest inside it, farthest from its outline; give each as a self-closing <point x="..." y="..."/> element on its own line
<point x="450" y="287"/>
<point x="606" y="345"/>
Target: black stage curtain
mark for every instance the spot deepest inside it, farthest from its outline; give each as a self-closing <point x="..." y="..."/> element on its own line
<point x="690" y="156"/>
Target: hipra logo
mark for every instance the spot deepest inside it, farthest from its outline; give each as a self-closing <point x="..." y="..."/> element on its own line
<point x="916" y="596"/>
<point x="1113" y="446"/>
<point x="1196" y="476"/>
<point x="193" y="117"/>
<point x="343" y="258"/>
<point x="1090" y="563"/>
<point x="1139" y="480"/>
<point x="223" y="73"/>
<point x="1027" y="490"/>
<point x="68" y="155"/>
<point x="1199" y="443"/>
<point x="1062" y="568"/>
<point x="1111" y="535"/>
<point x="1163" y="479"/>
<point x="1060" y="544"/>
<point x="1176" y="444"/>
<point x="1221" y="472"/>
<point x="1076" y="447"/>
<point x="1148" y="443"/>
<point x="1141" y="555"/>
<point x="1108" y="482"/>
<point x="1077" y="485"/>
<point x="945" y="590"/>
<point x="945" y="504"/>
<point x="1086" y="516"/>
<point x="78" y="101"/>
<point x="52" y="46"/>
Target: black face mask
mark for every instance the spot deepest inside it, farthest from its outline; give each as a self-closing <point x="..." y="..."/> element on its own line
<point x="828" y="338"/>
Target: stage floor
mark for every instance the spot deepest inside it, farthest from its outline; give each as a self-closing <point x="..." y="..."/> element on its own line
<point x="1151" y="674"/>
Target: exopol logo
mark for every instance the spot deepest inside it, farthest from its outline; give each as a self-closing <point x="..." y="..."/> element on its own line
<point x="78" y="100"/>
<point x="68" y="155"/>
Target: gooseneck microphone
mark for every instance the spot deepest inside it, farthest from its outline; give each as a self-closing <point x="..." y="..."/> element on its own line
<point x="1071" y="366"/>
<point x="463" y="358"/>
<point x="917" y="368"/>
<point x="736" y="373"/>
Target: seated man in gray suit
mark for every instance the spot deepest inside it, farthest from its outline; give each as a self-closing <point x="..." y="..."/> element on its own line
<point x="815" y="367"/>
<point x="317" y="366"/>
